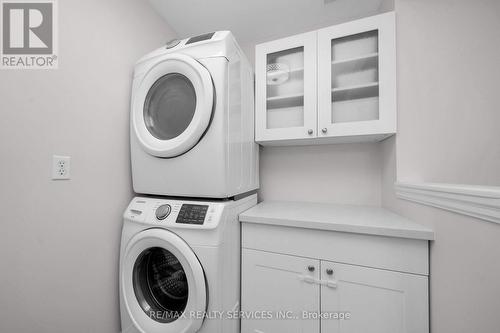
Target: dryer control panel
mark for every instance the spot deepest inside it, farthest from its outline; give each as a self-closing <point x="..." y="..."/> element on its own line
<point x="176" y="213"/>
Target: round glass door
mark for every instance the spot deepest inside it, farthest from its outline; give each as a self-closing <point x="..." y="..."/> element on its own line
<point x="169" y="106"/>
<point x="160" y="285"/>
<point x="172" y="106"/>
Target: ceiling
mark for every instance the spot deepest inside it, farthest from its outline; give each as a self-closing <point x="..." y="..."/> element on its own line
<point x="255" y="21"/>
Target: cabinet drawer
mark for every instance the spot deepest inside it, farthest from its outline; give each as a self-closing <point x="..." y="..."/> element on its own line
<point x="390" y="253"/>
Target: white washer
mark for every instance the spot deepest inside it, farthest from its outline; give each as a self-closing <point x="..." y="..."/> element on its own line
<point x="180" y="260"/>
<point x="192" y="120"/>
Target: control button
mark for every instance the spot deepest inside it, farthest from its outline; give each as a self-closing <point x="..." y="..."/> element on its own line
<point x="163" y="211"/>
<point x="136" y="212"/>
<point x="173" y="43"/>
<point x="192" y="214"/>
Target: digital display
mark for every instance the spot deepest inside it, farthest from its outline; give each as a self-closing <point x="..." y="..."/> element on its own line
<point x="200" y="38"/>
<point x="192" y="214"/>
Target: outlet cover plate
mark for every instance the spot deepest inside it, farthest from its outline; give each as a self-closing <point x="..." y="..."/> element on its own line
<point x="61" y="167"/>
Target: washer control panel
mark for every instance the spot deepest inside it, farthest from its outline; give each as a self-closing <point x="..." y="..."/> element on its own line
<point x="192" y="214"/>
<point x="176" y="213"/>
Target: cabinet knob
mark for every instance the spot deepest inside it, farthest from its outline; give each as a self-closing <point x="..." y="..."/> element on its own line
<point x="324" y="130"/>
<point x="310" y="131"/>
<point x="329" y="271"/>
<point x="310" y="268"/>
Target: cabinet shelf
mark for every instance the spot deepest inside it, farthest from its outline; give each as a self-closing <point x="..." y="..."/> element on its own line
<point x="285" y="101"/>
<point x="297" y="70"/>
<point x="355" y="92"/>
<point x="364" y="58"/>
<point x="356" y="67"/>
<point x="292" y="72"/>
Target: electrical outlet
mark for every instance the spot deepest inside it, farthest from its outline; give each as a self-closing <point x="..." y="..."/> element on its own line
<point x="61" y="167"/>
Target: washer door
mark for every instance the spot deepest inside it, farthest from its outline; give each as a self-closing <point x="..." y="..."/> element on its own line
<point x="163" y="283"/>
<point x="173" y="106"/>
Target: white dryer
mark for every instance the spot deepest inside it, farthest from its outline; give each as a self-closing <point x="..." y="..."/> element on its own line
<point x="192" y="120"/>
<point x="180" y="265"/>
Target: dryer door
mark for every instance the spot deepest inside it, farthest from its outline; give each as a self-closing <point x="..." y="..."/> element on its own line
<point x="163" y="283"/>
<point x="172" y="106"/>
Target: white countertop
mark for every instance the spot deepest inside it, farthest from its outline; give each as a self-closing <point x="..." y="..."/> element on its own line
<point x="343" y="218"/>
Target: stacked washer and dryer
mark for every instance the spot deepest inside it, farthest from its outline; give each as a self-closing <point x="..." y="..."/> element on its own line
<point x="195" y="168"/>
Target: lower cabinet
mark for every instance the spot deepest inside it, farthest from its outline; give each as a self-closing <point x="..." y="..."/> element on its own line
<point x="275" y="290"/>
<point x="376" y="300"/>
<point x="286" y="294"/>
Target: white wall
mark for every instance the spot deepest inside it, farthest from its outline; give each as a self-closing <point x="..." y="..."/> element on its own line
<point x="59" y="241"/>
<point x="449" y="65"/>
<point x="449" y="131"/>
<point x="386" y="6"/>
<point x="346" y="173"/>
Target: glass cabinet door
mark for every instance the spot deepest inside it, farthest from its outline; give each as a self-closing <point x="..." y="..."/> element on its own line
<point x="357" y="77"/>
<point x="354" y="78"/>
<point x="286" y="88"/>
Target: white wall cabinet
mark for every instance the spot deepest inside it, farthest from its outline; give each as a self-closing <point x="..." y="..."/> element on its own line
<point x="336" y="84"/>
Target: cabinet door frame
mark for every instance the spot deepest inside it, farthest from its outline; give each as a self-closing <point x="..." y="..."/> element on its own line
<point x="309" y="129"/>
<point x="386" y="124"/>
<point x="295" y="268"/>
<point x="413" y="286"/>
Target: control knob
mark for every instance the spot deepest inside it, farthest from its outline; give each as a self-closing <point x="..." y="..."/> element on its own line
<point x="163" y="211"/>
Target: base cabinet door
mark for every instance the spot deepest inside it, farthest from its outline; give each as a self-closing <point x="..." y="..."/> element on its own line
<point x="278" y="289"/>
<point x="377" y="301"/>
